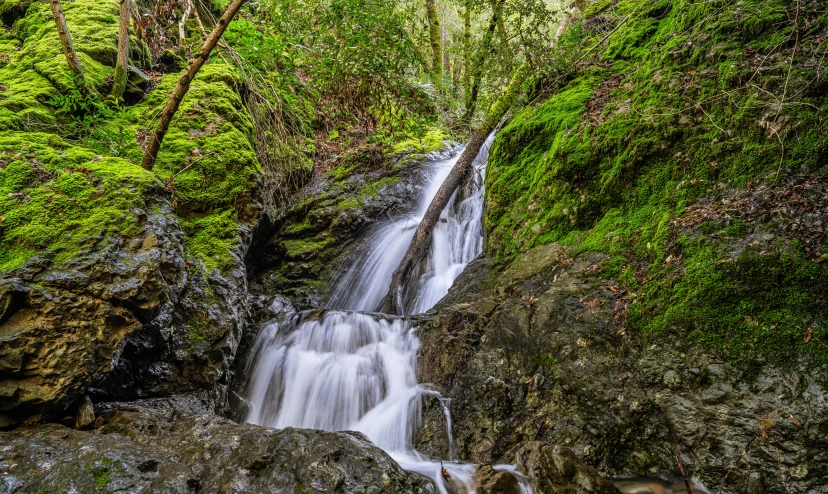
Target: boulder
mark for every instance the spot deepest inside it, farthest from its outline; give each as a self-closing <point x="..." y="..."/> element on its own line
<point x="170" y="445"/>
<point x="64" y="324"/>
<point x="538" y="351"/>
<point x="556" y="470"/>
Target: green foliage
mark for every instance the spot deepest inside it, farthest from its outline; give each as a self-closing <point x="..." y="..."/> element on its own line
<point x="358" y="55"/>
<point x="81" y="107"/>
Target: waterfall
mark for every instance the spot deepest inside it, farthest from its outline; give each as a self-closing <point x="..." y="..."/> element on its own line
<point x="340" y="369"/>
<point x="457" y="240"/>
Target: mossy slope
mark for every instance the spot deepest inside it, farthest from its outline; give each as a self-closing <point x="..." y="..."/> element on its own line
<point x="36" y="68"/>
<point x="207" y="161"/>
<point x="684" y="100"/>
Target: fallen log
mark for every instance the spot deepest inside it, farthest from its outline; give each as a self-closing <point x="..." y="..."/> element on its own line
<point x="422" y="237"/>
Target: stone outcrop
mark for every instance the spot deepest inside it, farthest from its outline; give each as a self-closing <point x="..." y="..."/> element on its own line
<point x="175" y="445"/>
<point x="63" y="326"/>
<point x="539" y="353"/>
<point x="554" y="470"/>
<point x="124" y="319"/>
<point x="310" y="243"/>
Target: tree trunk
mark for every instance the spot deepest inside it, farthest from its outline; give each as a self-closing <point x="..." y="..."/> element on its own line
<point x="467" y="47"/>
<point x="120" y="80"/>
<point x="422" y="237"/>
<point x="434" y="36"/>
<point x="66" y="41"/>
<point x="182" y="49"/>
<point x="504" y="40"/>
<point x="479" y="60"/>
<point x="446" y="61"/>
<point x="183" y="85"/>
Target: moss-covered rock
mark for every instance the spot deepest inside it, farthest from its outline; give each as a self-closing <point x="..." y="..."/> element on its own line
<point x="673" y="109"/>
<point x="540" y="349"/>
<point x="57" y="198"/>
<point x="37" y="71"/>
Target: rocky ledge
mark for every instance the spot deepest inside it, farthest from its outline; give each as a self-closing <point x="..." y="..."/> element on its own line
<point x="539" y="351"/>
<point x="176" y="445"/>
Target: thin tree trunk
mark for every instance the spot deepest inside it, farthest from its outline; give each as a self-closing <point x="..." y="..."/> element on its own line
<point x="479" y="59"/>
<point x="422" y="237"/>
<point x="182" y="49"/>
<point x="66" y="40"/>
<point x="504" y="40"/>
<point x="183" y="85"/>
<point x="445" y="44"/>
<point x="434" y="36"/>
<point x="562" y="27"/>
<point x="120" y="80"/>
<point x="467" y="47"/>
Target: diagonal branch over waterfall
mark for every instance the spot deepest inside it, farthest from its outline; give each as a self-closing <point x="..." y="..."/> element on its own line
<point x="422" y="237"/>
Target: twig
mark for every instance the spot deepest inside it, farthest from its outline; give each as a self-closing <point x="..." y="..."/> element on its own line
<point x="793" y="54"/>
<point x="596" y="45"/>
<point x="683" y="474"/>
<point x="744" y="453"/>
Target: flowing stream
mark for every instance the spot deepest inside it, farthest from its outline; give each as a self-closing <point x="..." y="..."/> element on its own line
<point x="341" y="369"/>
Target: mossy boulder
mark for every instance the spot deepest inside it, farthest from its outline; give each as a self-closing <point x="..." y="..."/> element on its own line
<point x="98" y="295"/>
<point x="86" y="252"/>
<point x="58" y="199"/>
<point x="36" y="69"/>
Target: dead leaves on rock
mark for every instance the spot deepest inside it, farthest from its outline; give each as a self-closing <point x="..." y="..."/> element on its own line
<point x="798" y="207"/>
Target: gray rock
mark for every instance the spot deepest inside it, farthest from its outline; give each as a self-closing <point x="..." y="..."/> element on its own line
<point x="618" y="403"/>
<point x="157" y="446"/>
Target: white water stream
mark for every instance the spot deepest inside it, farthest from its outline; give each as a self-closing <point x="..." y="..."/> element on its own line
<point x="343" y="370"/>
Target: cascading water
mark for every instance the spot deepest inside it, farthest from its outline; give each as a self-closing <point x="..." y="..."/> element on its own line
<point x="456" y="240"/>
<point x="343" y="370"/>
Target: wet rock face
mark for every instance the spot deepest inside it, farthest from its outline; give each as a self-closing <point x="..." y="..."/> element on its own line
<point x="553" y="469"/>
<point x="537" y="353"/>
<point x="63" y="326"/>
<point x="294" y="254"/>
<point x="124" y="319"/>
<point x="172" y="446"/>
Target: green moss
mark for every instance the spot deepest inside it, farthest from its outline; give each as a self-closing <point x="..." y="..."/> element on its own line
<point x="210" y="238"/>
<point x="534" y="172"/>
<point x="37" y="70"/>
<point x="546" y="361"/>
<point x="58" y="199"/>
<point x="759" y="304"/>
<point x="623" y="146"/>
<point x="101" y="470"/>
<point x="195" y="335"/>
<point x="305" y="248"/>
<point x="374" y="189"/>
<point x="431" y="140"/>
<point x="208" y="151"/>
